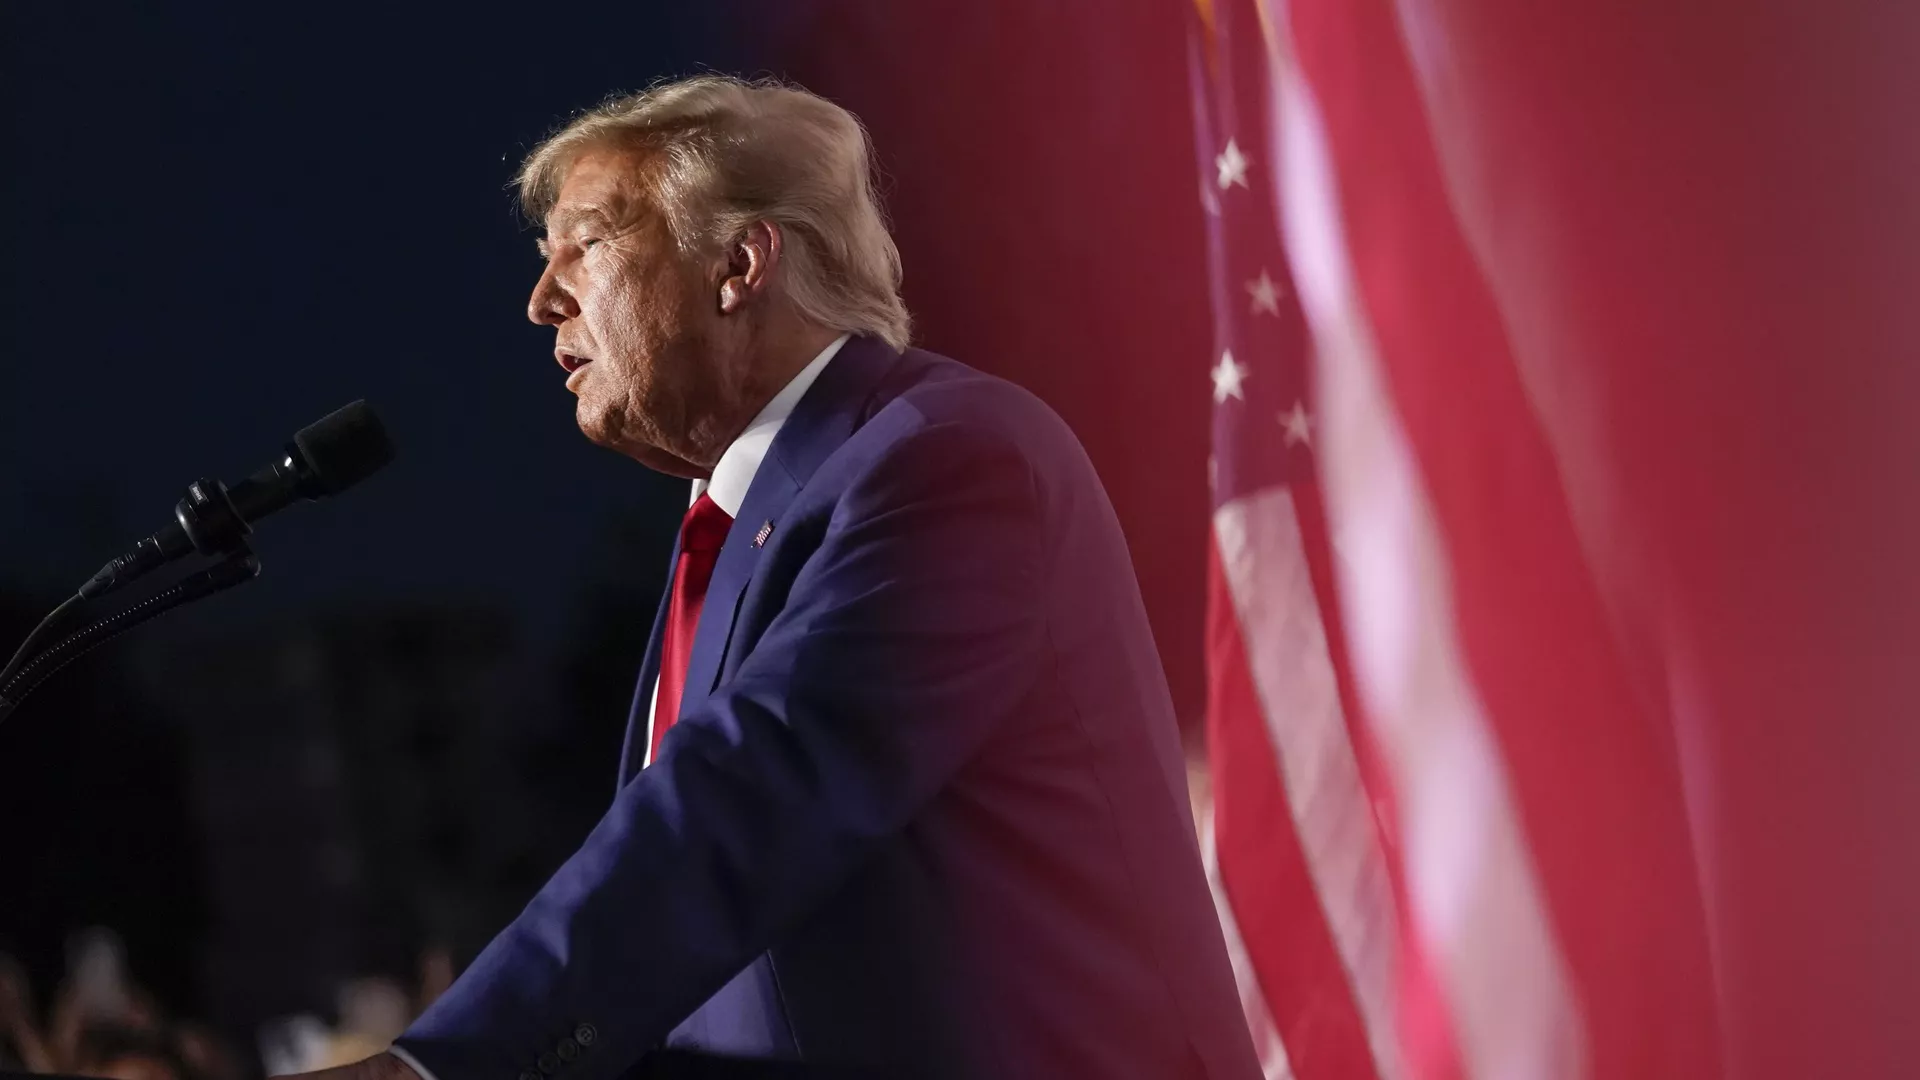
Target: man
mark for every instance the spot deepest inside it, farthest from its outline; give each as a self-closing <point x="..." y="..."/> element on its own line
<point x="902" y="790"/>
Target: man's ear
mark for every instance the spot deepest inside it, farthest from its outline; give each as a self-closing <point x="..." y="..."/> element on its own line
<point x="751" y="260"/>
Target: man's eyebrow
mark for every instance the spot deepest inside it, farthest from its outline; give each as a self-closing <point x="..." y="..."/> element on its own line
<point x="561" y="221"/>
<point x="546" y="250"/>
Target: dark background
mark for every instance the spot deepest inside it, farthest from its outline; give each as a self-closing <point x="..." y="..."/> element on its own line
<point x="227" y="220"/>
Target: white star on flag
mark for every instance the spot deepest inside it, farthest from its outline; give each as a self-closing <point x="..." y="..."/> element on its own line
<point x="1227" y="377"/>
<point x="1233" y="166"/>
<point x="1298" y="424"/>
<point x="1266" y="295"/>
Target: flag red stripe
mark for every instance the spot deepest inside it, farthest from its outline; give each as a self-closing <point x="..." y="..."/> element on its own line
<point x="1426" y="1025"/>
<point x="1593" y="773"/>
<point x="1263" y="870"/>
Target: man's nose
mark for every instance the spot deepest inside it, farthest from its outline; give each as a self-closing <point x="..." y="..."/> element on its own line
<point x="551" y="304"/>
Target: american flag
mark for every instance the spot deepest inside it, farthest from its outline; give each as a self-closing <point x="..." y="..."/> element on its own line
<point x="1447" y="837"/>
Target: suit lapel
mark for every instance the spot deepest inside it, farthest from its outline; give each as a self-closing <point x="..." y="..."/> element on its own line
<point x="766" y="500"/>
<point x="833" y="408"/>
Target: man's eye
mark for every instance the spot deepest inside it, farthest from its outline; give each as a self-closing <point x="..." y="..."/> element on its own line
<point x="588" y="241"/>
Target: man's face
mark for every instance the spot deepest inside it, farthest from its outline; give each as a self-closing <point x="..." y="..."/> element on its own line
<point x="637" y="321"/>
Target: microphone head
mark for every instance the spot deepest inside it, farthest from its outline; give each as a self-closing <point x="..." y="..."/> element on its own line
<point x="344" y="447"/>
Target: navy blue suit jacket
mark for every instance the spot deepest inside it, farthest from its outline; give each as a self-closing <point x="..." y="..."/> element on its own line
<point x="924" y="811"/>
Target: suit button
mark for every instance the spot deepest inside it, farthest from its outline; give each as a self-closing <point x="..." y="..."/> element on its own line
<point x="585" y="1034"/>
<point x="568" y="1049"/>
<point x="549" y="1064"/>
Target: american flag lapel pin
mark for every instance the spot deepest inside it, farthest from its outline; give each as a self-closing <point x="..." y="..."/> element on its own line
<point x="766" y="530"/>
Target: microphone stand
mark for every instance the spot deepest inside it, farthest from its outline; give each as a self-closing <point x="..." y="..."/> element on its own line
<point x="48" y="649"/>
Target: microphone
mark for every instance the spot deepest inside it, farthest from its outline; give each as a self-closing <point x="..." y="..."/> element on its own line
<point x="325" y="458"/>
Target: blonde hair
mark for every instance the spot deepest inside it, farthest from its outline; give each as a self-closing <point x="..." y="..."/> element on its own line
<point x="725" y="153"/>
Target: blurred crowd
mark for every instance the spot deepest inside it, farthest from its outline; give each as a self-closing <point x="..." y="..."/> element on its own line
<point x="99" y="1022"/>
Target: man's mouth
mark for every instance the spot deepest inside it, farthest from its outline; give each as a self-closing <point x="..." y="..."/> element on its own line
<point x="570" y="361"/>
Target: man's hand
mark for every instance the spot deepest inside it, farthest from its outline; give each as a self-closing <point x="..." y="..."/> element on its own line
<point x="377" y="1067"/>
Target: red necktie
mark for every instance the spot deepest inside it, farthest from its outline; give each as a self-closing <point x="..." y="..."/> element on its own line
<point x="702" y="532"/>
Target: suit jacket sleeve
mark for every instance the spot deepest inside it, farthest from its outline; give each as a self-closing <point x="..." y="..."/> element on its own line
<point x="908" y="637"/>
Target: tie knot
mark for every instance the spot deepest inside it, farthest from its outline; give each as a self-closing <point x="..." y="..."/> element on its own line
<point x="705" y="526"/>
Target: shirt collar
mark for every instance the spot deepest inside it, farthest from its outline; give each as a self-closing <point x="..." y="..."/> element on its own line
<point x="733" y="475"/>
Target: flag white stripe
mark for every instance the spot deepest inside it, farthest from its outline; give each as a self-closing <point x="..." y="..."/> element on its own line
<point x="1476" y="900"/>
<point x="1265" y="564"/>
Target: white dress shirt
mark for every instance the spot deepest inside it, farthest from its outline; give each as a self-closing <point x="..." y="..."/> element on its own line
<point x="732" y="476"/>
